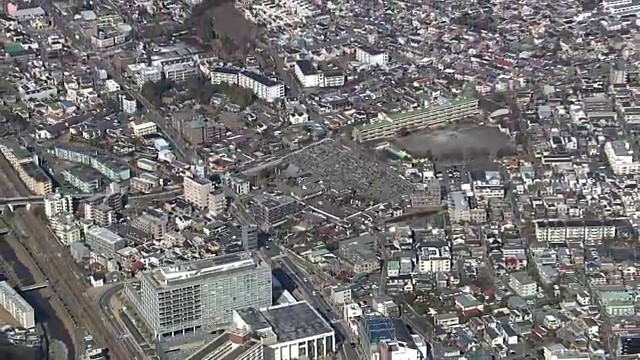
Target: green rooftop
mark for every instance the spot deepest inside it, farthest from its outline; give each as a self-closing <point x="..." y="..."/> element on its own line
<point x="12" y="48"/>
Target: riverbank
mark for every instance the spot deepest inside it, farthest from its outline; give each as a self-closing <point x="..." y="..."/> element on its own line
<point x="48" y="308"/>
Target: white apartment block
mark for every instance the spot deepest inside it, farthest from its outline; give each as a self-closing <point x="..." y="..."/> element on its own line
<point x="263" y="87"/>
<point x="372" y="57"/>
<point x="143" y="73"/>
<point x="621" y="158"/>
<point x="15" y="305"/>
<point x="141" y="128"/>
<point x="522" y="284"/>
<point x="555" y="230"/>
<point x="56" y="203"/>
<point x="129" y="105"/>
<point x="309" y="76"/>
<point x="434" y="259"/>
<point x="487" y="184"/>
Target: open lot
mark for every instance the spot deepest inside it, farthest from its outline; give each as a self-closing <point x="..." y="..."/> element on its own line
<point x="443" y="142"/>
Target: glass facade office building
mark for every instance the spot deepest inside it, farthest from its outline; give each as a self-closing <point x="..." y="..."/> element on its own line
<point x="201" y="295"/>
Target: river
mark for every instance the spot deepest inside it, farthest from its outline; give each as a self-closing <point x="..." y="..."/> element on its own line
<point x="44" y="312"/>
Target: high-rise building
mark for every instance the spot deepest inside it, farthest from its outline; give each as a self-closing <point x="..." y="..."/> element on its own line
<point x="196" y="192"/>
<point x="249" y="236"/>
<point x="217" y="202"/>
<point x="56" y="203"/>
<point x="201" y="295"/>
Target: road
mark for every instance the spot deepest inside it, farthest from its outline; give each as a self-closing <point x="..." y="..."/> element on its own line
<point x="319" y="303"/>
<point x="128" y="339"/>
<point x="183" y="150"/>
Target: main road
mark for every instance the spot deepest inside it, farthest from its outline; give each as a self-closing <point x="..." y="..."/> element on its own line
<point x="312" y="295"/>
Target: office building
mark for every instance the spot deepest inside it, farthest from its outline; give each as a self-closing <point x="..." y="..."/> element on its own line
<point x="15" y="305"/>
<point x="196" y="192"/>
<point x="269" y="210"/>
<point x="105" y="242"/>
<point x="439" y="112"/>
<point x="56" y="203"/>
<point x="193" y="297"/>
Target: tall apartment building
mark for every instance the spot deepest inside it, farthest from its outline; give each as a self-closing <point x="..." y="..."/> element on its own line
<point x="104" y="242"/>
<point x="198" y="296"/>
<point x="370" y="56"/>
<point x="426" y="194"/>
<point x="56" y="203"/>
<point x="196" y="191"/>
<point x="15" y="305"/>
<point x="249" y="236"/>
<point x="198" y="130"/>
<point x="151" y="222"/>
<point x="217" y="202"/>
<point x="433" y="259"/>
<point x="269" y="210"/>
<point x="66" y="228"/>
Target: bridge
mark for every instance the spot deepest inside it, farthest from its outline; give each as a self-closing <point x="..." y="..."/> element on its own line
<point x="33" y="287"/>
<point x="39" y="199"/>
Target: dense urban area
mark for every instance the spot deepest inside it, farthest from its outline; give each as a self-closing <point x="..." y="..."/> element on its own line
<point x="296" y="179"/>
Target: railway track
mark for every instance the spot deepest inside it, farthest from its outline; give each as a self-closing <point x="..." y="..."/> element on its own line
<point x="36" y="240"/>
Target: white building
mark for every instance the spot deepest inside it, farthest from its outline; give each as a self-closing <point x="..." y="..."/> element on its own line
<point x="289" y="331"/>
<point x="434" y="259"/>
<point x="263" y="87"/>
<point x="372" y="57"/>
<point x="18" y="307"/>
<point x="621" y="158"/>
<point x="142" y="73"/>
<point x="141" y="127"/>
<point x="224" y="75"/>
<point x="129" y="105"/>
<point x="56" y="203"/>
<point x="66" y="228"/>
<point x="307" y="74"/>
<point x="217" y="202"/>
<point x="522" y="284"/>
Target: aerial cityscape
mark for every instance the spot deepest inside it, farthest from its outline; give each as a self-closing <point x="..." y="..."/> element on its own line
<point x="280" y="180"/>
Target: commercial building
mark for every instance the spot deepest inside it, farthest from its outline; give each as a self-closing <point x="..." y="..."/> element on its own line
<point x="56" y="203"/>
<point x="434" y="259"/>
<point x="269" y="210"/>
<point x="18" y="307"/>
<point x="442" y="111"/>
<point x="196" y="191"/>
<point x="197" y="296"/>
<point x="522" y="284"/>
<point x="232" y="344"/>
<point x="289" y="331"/>
<point x="371" y="56"/>
<point x="105" y="242"/>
